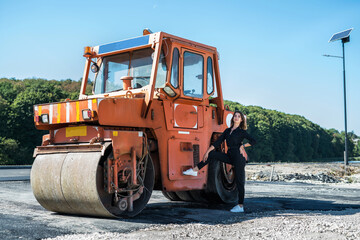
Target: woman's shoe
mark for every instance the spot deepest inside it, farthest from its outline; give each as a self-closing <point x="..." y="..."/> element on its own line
<point x="190" y="172"/>
<point x="237" y="209"/>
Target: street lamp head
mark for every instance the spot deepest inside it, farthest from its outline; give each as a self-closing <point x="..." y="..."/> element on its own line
<point x="343" y="35"/>
<point x="345" y="40"/>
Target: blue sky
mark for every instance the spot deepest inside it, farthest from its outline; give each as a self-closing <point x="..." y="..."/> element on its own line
<point x="270" y="51"/>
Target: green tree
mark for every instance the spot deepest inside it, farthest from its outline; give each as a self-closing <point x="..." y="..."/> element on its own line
<point x="7" y="149"/>
<point x="22" y="118"/>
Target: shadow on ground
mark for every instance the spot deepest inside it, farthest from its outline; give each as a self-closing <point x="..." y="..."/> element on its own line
<point x="187" y="212"/>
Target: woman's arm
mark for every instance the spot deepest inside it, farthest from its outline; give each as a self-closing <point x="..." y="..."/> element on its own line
<point x="206" y="155"/>
<point x="251" y="142"/>
<point x="219" y="141"/>
<point x="216" y="144"/>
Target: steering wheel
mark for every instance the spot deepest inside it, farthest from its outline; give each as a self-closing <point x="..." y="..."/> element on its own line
<point x="141" y="81"/>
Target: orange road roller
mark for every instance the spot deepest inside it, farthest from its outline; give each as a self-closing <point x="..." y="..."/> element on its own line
<point x="155" y="108"/>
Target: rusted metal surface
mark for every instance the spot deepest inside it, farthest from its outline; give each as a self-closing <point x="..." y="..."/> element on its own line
<point x="67" y="148"/>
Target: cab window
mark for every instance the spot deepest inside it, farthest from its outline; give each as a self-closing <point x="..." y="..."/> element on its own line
<point x="136" y="64"/>
<point x="193" y="74"/>
<point x="161" y="72"/>
<point x="210" y="76"/>
<point x="175" y="69"/>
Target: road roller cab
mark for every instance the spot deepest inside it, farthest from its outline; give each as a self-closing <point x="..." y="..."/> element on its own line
<point x="155" y="108"/>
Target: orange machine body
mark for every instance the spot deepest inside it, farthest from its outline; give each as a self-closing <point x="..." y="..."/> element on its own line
<point x="177" y="121"/>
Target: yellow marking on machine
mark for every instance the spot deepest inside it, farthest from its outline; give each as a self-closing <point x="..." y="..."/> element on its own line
<point x="77" y="112"/>
<point x="39" y="110"/>
<point x="115" y="133"/>
<point x="58" y="113"/>
<point x="76" y="131"/>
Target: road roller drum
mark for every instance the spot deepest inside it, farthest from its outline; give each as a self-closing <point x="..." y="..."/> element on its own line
<point x="73" y="183"/>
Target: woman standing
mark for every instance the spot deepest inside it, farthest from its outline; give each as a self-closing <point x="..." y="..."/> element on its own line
<point x="235" y="156"/>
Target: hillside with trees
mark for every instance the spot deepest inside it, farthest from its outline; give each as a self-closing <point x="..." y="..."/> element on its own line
<point x="18" y="136"/>
<point x="280" y="136"/>
<point x="285" y="137"/>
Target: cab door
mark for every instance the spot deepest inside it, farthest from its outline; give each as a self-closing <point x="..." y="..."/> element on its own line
<point x="186" y="114"/>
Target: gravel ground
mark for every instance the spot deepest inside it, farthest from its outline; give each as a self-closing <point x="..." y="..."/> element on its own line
<point x="270" y="225"/>
<point x="283" y="224"/>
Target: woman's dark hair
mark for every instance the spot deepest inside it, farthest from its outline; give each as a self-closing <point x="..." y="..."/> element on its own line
<point x="243" y="124"/>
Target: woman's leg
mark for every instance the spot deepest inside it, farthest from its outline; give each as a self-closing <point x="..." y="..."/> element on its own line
<point x="239" y="165"/>
<point x="213" y="156"/>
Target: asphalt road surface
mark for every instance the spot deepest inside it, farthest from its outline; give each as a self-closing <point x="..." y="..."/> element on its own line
<point x="21" y="217"/>
<point x="9" y="173"/>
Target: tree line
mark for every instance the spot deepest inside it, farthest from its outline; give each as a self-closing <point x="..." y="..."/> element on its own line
<point x="18" y="135"/>
<point x="292" y="138"/>
<point x="280" y="136"/>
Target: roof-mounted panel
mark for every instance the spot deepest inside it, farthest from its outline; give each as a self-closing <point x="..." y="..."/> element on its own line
<point x="122" y="45"/>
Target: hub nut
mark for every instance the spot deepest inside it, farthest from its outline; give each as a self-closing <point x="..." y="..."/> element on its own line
<point x="122" y="204"/>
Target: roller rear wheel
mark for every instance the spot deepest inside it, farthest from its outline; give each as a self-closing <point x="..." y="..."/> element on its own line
<point x="221" y="183"/>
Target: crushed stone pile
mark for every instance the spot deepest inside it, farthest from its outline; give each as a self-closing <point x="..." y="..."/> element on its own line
<point x="306" y="172"/>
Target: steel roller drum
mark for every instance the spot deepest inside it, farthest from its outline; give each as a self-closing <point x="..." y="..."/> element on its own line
<point x="71" y="183"/>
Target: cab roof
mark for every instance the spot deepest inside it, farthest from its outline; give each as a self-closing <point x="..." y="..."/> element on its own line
<point x="142" y="41"/>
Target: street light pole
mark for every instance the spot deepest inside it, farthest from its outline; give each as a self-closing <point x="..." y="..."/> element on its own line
<point x="346" y="161"/>
<point x="344" y="36"/>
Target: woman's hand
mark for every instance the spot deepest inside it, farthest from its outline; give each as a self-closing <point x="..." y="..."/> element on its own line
<point x="243" y="152"/>
<point x="206" y="155"/>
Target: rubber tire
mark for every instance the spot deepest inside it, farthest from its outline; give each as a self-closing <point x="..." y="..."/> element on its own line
<point x="216" y="190"/>
<point x="199" y="196"/>
<point x="185" y="196"/>
<point x="171" y="196"/>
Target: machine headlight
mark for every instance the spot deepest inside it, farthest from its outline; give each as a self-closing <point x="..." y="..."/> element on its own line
<point x="169" y="91"/>
<point x="86" y="114"/>
<point x="94" y="68"/>
<point x="45" y="118"/>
